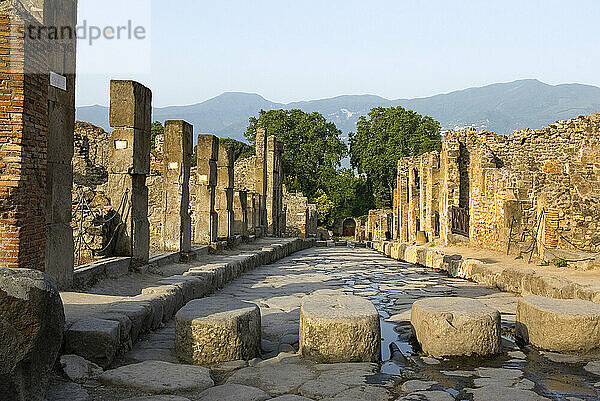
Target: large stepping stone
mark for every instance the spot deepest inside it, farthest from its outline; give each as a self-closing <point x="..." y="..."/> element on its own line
<point x="157" y="377"/>
<point x="456" y="327"/>
<point x="339" y="328"/>
<point x="213" y="330"/>
<point x="560" y="325"/>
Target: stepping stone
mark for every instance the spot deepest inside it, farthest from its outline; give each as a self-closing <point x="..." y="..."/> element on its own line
<point x="213" y="330"/>
<point x="339" y="328"/>
<point x="157" y="377"/>
<point x="456" y="327"/>
<point x="560" y="325"/>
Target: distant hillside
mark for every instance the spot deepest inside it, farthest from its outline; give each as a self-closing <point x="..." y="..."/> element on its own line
<point x="500" y="107"/>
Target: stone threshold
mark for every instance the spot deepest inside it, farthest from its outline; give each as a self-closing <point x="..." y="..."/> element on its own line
<point x="514" y="279"/>
<point x="100" y="337"/>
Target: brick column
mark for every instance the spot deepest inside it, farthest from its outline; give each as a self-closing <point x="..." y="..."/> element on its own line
<point x="176" y="233"/>
<point x="129" y="164"/>
<point x="224" y="195"/>
<point x="61" y="125"/>
<point x="23" y="142"/>
<point x="204" y="218"/>
<point x="273" y="184"/>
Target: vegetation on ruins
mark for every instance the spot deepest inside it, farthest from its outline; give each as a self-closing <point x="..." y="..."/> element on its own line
<point x="312" y="162"/>
<point x="387" y="135"/>
<point x="240" y="149"/>
<point x="157" y="129"/>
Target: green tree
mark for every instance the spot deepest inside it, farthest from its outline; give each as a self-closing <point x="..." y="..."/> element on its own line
<point x="240" y="149"/>
<point x="351" y="195"/>
<point x="312" y="146"/>
<point x="387" y="135"/>
<point x="156" y="129"/>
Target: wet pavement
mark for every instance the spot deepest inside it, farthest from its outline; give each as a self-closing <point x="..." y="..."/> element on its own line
<point x="515" y="374"/>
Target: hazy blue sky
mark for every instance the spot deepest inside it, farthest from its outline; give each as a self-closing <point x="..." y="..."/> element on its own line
<point x="306" y="49"/>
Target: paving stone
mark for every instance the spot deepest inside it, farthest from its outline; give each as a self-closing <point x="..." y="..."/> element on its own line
<point x="79" y="369"/>
<point x="321" y="388"/>
<point x="290" y="397"/>
<point x="417" y="385"/>
<point x="63" y="391"/>
<point x="157" y="377"/>
<point x="593" y="367"/>
<point x="158" y="398"/>
<point x="233" y="392"/>
<point x="372" y="393"/>
<point x="429" y="396"/>
<point x="275" y="378"/>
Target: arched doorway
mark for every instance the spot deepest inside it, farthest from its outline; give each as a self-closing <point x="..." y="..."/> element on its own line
<point x="349" y="227"/>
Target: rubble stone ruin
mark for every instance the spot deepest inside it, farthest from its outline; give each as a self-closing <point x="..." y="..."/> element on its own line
<point x="506" y="193"/>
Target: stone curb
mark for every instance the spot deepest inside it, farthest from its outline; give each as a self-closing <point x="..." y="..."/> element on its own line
<point x="505" y="278"/>
<point x="159" y="303"/>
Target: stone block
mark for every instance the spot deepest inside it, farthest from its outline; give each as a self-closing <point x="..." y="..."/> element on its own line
<point x="225" y="178"/>
<point x="209" y="331"/>
<point x="339" y="328"/>
<point x="129" y="151"/>
<point x="456" y="327"/>
<point x="124" y="324"/>
<point x="191" y="287"/>
<point x="141" y="318"/>
<point x="59" y="254"/>
<point x="173" y="298"/>
<point x="130" y="105"/>
<point x="208" y="148"/>
<point x="94" y="339"/>
<point x="559" y="325"/>
<point x="31" y="322"/>
<point x="206" y="173"/>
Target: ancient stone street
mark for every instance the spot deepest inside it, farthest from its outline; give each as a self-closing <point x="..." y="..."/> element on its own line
<point x="406" y="374"/>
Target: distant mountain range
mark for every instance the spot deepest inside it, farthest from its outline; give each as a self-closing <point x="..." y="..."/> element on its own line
<point x="502" y="108"/>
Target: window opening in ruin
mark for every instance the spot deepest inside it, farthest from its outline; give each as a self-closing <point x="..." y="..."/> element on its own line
<point x="417" y="179"/>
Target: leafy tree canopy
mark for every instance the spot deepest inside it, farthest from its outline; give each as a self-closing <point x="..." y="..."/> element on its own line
<point x="387" y="135"/>
<point x="156" y="129"/>
<point x="240" y="149"/>
<point x="312" y="146"/>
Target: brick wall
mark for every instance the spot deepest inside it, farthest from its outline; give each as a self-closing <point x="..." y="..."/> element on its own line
<point x="23" y="146"/>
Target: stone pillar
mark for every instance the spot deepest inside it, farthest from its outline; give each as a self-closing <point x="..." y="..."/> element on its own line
<point x="240" y="213"/>
<point x="403" y="200"/>
<point x="274" y="187"/>
<point x="413" y="202"/>
<point x="176" y="233"/>
<point x="450" y="185"/>
<point x="129" y="164"/>
<point x="224" y="195"/>
<point x="204" y="218"/>
<point x="61" y="125"/>
<point x="260" y="181"/>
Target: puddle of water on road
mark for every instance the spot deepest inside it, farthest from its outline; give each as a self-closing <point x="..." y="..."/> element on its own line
<point x="554" y="380"/>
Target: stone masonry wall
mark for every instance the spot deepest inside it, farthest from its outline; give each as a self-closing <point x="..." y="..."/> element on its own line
<point x="534" y="186"/>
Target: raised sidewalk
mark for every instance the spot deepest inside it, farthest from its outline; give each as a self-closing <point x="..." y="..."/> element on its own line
<point x="105" y="320"/>
<point x="494" y="269"/>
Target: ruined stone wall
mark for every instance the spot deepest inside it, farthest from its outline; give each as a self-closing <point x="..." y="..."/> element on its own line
<point x="379" y="224"/>
<point x="532" y="186"/>
<point x="297" y="214"/>
<point x="90" y="204"/>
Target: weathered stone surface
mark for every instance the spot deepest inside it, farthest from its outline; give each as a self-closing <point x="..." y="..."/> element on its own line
<point x="557" y="324"/>
<point x="290" y="397"/>
<point x="79" y="369"/>
<point x="31" y="331"/>
<point x="64" y="391"/>
<point x="275" y="378"/>
<point x="417" y="385"/>
<point x="215" y="330"/>
<point x="339" y="328"/>
<point x="94" y="339"/>
<point x="158" y="377"/>
<point x="233" y="392"/>
<point x="428" y="396"/>
<point x="456" y="326"/>
<point x="158" y="398"/>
